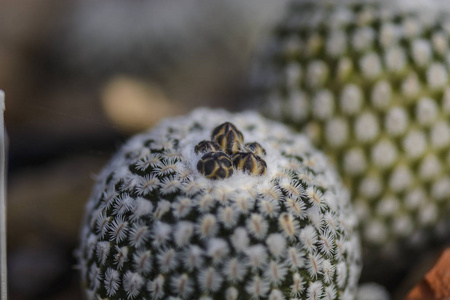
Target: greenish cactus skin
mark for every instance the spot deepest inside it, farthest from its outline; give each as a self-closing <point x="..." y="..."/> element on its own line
<point x="156" y="228"/>
<point x="368" y="82"/>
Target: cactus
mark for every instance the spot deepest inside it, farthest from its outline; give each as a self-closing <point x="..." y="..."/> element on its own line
<point x="170" y="219"/>
<point x="368" y="82"/>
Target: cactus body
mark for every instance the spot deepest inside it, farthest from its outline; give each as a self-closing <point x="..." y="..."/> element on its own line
<point x="156" y="227"/>
<point x="368" y="82"/>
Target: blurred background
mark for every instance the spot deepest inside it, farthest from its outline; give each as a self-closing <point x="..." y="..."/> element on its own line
<point x="80" y="77"/>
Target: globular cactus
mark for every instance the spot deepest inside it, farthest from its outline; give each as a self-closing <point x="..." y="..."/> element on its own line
<point x="169" y="218"/>
<point x="368" y="81"/>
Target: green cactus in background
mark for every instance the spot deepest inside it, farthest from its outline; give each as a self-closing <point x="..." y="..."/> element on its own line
<point x="216" y="205"/>
<point x="368" y="82"/>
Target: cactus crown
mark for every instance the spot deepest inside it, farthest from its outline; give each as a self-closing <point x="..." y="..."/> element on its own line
<point x="157" y="227"/>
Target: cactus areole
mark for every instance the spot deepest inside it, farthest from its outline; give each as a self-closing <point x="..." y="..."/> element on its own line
<point x="216" y="205"/>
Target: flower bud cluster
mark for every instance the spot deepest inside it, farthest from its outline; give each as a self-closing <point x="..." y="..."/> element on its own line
<point x="226" y="150"/>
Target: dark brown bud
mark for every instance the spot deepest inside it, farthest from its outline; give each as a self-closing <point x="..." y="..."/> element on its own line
<point x="228" y="137"/>
<point x="250" y="163"/>
<point x="215" y="165"/>
<point x="206" y="146"/>
<point x="255" y="148"/>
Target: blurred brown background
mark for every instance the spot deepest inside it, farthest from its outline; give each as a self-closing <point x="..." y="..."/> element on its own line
<point x="80" y="77"/>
